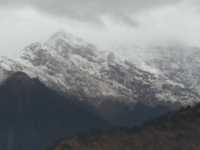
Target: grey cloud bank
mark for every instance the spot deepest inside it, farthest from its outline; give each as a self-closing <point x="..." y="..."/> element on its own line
<point x="91" y="10"/>
<point x="150" y="22"/>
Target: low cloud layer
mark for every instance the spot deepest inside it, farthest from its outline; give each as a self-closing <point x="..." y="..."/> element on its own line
<point x="106" y="23"/>
<point x="91" y="10"/>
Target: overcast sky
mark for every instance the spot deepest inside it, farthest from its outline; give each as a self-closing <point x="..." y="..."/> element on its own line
<point x="106" y="23"/>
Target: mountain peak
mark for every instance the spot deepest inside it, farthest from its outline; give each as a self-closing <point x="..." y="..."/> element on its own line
<point x="66" y="36"/>
<point x="62" y="34"/>
<point x="63" y="38"/>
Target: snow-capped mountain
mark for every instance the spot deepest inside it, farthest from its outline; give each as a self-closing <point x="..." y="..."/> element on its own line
<point x="71" y="65"/>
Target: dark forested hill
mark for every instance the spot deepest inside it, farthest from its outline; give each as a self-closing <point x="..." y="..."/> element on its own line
<point x="179" y="131"/>
<point x="33" y="116"/>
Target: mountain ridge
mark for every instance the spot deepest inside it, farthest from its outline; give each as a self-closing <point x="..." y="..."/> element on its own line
<point x="80" y="68"/>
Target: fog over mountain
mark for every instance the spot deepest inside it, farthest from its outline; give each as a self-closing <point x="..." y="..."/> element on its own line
<point x="107" y="24"/>
<point x="73" y="67"/>
<point x="67" y="86"/>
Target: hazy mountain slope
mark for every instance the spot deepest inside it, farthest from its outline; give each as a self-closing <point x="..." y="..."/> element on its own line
<point x="32" y="115"/>
<point x="177" y="63"/>
<point x="171" y="132"/>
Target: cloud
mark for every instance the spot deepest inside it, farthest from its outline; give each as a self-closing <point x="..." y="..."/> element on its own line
<point x="91" y="10"/>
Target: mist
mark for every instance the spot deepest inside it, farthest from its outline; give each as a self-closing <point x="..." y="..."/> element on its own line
<point x="135" y="23"/>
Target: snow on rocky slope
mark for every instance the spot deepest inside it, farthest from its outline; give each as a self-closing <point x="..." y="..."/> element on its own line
<point x="71" y="65"/>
